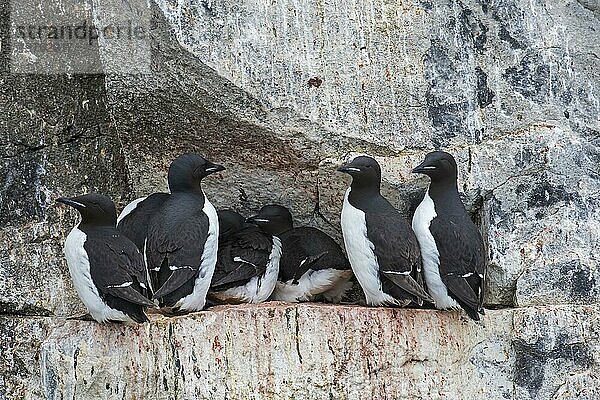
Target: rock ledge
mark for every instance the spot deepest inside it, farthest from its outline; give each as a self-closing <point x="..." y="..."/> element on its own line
<point x="307" y="351"/>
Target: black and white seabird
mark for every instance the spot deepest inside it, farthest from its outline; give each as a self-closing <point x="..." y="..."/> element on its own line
<point x="107" y="269"/>
<point x="312" y="264"/>
<point x="451" y="245"/>
<point x="182" y="238"/>
<point x="247" y="262"/>
<point x="136" y="216"/>
<point x="382" y="249"/>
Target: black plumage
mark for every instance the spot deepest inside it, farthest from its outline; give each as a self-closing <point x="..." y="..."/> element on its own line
<point x="114" y="260"/>
<point x="135" y="223"/>
<point x="395" y="247"/>
<point x="176" y="238"/>
<point x="462" y="261"/>
<point x="243" y="252"/>
<point x="96" y="250"/>
<point x="305" y="250"/>
<point x="178" y="234"/>
<point x="395" y="250"/>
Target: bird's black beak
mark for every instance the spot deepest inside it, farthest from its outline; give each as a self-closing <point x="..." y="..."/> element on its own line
<point x="70" y="202"/>
<point x="423" y="168"/>
<point x="256" y="218"/>
<point x="212" y="168"/>
<point x="348" y="168"/>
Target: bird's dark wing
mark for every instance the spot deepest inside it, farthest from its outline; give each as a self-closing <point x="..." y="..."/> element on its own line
<point x="135" y="224"/>
<point x="408" y="284"/>
<point x="117" y="268"/>
<point x="253" y="238"/>
<point x="397" y="251"/>
<point x="174" y="248"/>
<point x="307" y="248"/>
<point x="297" y="257"/>
<point x="241" y="257"/>
<point x="462" y="259"/>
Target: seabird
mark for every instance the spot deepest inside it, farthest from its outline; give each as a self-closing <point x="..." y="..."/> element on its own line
<point x="247" y="262"/>
<point x="382" y="249"/>
<point x="312" y="264"/>
<point x="182" y="238"/>
<point x="107" y="269"/>
<point x="451" y="245"/>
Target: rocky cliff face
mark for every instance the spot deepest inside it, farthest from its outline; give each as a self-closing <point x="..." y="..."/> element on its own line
<point x="280" y="92"/>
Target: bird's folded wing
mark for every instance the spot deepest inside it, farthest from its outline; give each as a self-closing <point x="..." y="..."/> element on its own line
<point x="117" y="267"/>
<point x="130" y="294"/>
<point x="131" y="259"/>
<point x="177" y="278"/>
<point x="462" y="259"/>
<point x="460" y="288"/>
<point x="297" y="256"/>
<point x="395" y="244"/>
<point x="252" y="237"/>
<point x="231" y="270"/>
<point x="408" y="284"/>
<point x="242" y="257"/>
<point x="174" y="251"/>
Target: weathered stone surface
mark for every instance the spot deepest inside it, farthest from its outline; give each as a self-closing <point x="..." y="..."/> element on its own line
<point x="308" y="352"/>
<point x="509" y="87"/>
<point x="556" y="353"/>
<point x="57" y="139"/>
<point x="282" y="92"/>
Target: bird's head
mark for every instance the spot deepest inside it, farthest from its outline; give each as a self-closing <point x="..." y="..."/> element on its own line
<point x="95" y="209"/>
<point x="273" y="219"/>
<point x="187" y="171"/>
<point x="364" y="170"/>
<point x="439" y="166"/>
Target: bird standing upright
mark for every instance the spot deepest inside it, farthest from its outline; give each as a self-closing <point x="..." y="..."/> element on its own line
<point x="382" y="249"/>
<point x="107" y="269"/>
<point x="182" y="238"/>
<point x="451" y="245"/>
<point x="247" y="261"/>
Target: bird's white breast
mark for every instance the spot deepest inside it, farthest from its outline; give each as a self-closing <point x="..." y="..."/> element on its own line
<point x="195" y="301"/>
<point x="129" y="208"/>
<point x="424" y="214"/>
<point x="311" y="284"/>
<point x="79" y="269"/>
<point x="269" y="279"/>
<point x="361" y="255"/>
